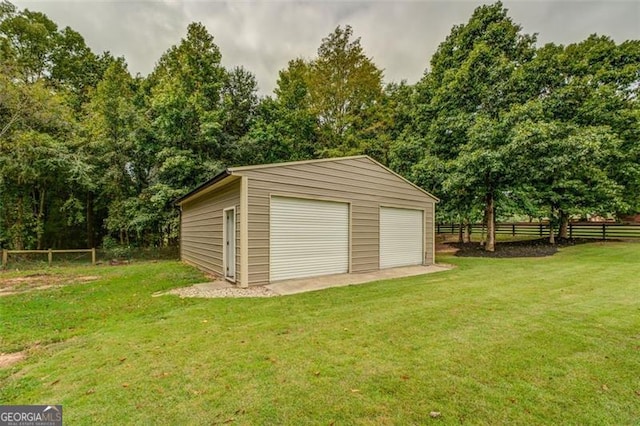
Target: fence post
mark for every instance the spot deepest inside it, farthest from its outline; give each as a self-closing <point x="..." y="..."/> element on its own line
<point x="570" y="230"/>
<point x="93" y="256"/>
<point x="604" y="231"/>
<point x="513" y="229"/>
<point x="540" y="226"/>
<point x="5" y="257"/>
<point x="50" y="256"/>
<point x="438" y="228"/>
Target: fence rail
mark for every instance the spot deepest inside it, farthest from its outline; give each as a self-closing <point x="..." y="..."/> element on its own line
<point x="599" y="230"/>
<point x="49" y="253"/>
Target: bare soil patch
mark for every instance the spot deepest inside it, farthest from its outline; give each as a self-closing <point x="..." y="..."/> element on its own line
<point x="7" y="360"/>
<point x="508" y="249"/>
<point x="39" y="281"/>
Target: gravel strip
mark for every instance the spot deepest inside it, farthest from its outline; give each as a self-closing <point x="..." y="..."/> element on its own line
<point x="194" y="291"/>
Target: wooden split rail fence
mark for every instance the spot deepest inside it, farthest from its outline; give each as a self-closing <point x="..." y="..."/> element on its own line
<point x="598" y="230"/>
<point x="49" y="253"/>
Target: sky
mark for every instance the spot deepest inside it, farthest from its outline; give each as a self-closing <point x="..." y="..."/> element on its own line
<point x="263" y="35"/>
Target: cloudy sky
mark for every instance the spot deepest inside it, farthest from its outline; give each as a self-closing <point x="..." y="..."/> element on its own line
<point x="264" y="35"/>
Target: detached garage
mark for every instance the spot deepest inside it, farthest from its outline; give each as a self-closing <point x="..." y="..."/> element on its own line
<point x="260" y="224"/>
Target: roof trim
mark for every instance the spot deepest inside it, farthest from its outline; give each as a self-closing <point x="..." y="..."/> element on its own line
<point x="292" y="163"/>
<point x="232" y="170"/>
<point x="217" y="178"/>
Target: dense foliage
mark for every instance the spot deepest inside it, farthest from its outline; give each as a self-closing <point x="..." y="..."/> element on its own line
<point x="496" y="127"/>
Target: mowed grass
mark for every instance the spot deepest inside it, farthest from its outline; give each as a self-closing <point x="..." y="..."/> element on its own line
<point x="551" y="340"/>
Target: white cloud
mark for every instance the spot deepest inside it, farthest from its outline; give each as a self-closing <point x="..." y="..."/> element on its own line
<point x="263" y="36"/>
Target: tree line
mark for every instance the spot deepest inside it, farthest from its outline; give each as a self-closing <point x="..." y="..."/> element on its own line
<point x="496" y="127"/>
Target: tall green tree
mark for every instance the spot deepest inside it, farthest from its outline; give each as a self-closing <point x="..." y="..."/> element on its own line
<point x="284" y="128"/>
<point x="332" y="105"/>
<point x="41" y="170"/>
<point x="344" y="88"/>
<point x="199" y="112"/>
<point x="588" y="88"/>
<point x="568" y="168"/>
<point x="240" y="107"/>
<point x="470" y="87"/>
<point x="111" y="122"/>
<point x="186" y="95"/>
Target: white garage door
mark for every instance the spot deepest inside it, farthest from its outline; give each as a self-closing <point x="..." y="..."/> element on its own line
<point x="308" y="238"/>
<point x="401" y="237"/>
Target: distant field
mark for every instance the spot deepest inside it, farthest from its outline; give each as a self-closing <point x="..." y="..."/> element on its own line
<point x="553" y="340"/>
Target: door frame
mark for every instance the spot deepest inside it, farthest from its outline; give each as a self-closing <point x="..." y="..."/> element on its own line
<point x="226" y="259"/>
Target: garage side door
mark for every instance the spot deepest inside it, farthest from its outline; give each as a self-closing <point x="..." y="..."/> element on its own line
<point x="401" y="237"/>
<point x="308" y="238"/>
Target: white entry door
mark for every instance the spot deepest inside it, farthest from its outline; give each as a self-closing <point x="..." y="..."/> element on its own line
<point x="229" y="238"/>
<point x="401" y="237"/>
<point x="307" y="238"/>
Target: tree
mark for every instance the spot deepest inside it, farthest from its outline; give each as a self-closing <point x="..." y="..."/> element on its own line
<point x="602" y="84"/>
<point x="568" y="168"/>
<point x="42" y="169"/>
<point x="471" y="86"/>
<point x="186" y="94"/>
<point x="39" y="164"/>
<point x="587" y="89"/>
<point x="240" y="104"/>
<point x="110" y="124"/>
<point x="198" y="111"/>
<point x="330" y="106"/>
<point x="284" y="128"/>
<point x="30" y="37"/>
<point x="344" y="87"/>
<point x="75" y="68"/>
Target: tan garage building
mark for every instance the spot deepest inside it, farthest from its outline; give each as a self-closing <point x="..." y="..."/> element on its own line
<point x="259" y="224"/>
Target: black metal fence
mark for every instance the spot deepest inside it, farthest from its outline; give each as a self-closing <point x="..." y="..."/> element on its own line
<point x="599" y="230"/>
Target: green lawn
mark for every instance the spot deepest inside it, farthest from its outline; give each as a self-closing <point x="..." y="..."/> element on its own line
<point x="524" y="341"/>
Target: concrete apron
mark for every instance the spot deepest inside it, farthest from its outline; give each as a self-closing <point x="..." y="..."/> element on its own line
<point x="340" y="280"/>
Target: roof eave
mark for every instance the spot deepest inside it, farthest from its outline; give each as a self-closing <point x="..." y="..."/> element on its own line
<point x="292" y="163"/>
<point x="217" y="178"/>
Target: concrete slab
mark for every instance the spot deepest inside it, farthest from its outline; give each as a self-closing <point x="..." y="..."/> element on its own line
<point x="341" y="280"/>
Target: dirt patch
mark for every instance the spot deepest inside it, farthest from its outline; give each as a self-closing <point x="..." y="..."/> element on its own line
<point x="35" y="282"/>
<point x="7" y="360"/>
<point x="508" y="249"/>
<point x="446" y="248"/>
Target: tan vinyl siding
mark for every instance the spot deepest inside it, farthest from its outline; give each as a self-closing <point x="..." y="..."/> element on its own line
<point x="359" y="181"/>
<point x="201" y="228"/>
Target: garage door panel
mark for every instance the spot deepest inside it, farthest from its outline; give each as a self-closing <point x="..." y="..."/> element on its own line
<point x="308" y="238"/>
<point x="401" y="237"/>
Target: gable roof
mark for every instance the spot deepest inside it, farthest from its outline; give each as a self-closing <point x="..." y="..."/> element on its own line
<point x="238" y="171"/>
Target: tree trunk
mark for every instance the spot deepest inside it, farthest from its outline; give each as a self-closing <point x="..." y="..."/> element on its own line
<point x="89" y="218"/>
<point x="467" y="234"/>
<point x="491" y="222"/>
<point x="40" y="220"/>
<point x="18" y="237"/>
<point x="461" y="232"/>
<point x="564" y="225"/>
<point x="552" y="237"/>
